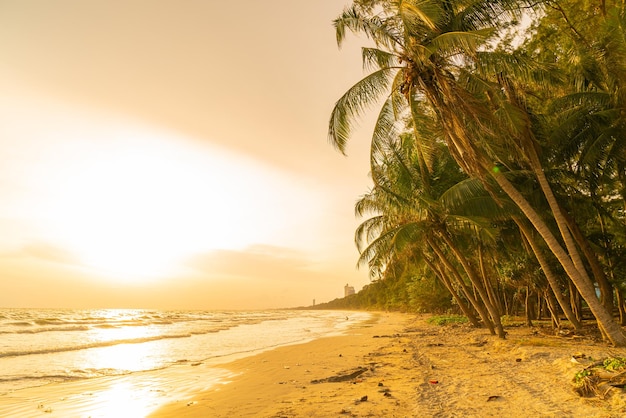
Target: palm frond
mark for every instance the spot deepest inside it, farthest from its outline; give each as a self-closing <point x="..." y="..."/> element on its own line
<point x="469" y="198"/>
<point x="353" y="103"/>
<point x="452" y="43"/>
<point x="386" y="127"/>
<point x="375" y="59"/>
<point x="373" y="27"/>
<point x="420" y="12"/>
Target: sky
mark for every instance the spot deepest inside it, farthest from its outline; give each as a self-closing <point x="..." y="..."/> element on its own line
<point x="174" y="154"/>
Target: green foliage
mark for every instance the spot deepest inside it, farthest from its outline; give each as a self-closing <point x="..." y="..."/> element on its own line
<point x="580" y="377"/>
<point x="447" y="320"/>
<point x="476" y="108"/>
<point x="428" y="295"/>
<point x="614" y="364"/>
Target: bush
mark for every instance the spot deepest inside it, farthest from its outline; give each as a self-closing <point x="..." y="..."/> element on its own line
<point x="447" y="319"/>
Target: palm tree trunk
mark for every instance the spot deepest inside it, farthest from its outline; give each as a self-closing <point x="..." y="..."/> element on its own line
<point x="561" y="222"/>
<point x="606" y="289"/>
<point x="552" y="307"/>
<point x="527" y="309"/>
<point x="448" y="284"/>
<point x="547" y="271"/>
<point x="488" y="285"/>
<point x="493" y="311"/>
<point x="468" y="294"/>
<point x="582" y="283"/>
<point x="621" y="305"/>
<point x="574" y="300"/>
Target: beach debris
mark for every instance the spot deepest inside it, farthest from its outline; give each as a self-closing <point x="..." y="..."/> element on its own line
<point x="601" y="377"/>
<point x="433" y="381"/>
<point x="385" y="392"/>
<point x="363" y="399"/>
<point x="343" y="376"/>
<point x="493" y="398"/>
<point x="380" y="384"/>
<point x="580" y="358"/>
<point x="190" y="403"/>
<point x="197" y="363"/>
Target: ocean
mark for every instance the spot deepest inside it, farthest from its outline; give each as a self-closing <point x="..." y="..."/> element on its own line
<point x="40" y="347"/>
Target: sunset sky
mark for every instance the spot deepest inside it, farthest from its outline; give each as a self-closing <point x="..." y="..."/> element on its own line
<point x="174" y="154"/>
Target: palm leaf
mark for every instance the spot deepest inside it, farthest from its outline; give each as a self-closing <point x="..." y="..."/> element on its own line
<point x="373" y="27"/>
<point x="375" y="59"/>
<point x="353" y="103"/>
<point x="452" y="43"/>
<point x="415" y="13"/>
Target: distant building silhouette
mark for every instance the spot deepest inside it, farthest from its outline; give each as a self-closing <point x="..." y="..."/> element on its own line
<point x="348" y="290"/>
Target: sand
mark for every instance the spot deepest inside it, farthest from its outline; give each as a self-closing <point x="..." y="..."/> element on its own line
<point x="413" y="369"/>
<point x="395" y="365"/>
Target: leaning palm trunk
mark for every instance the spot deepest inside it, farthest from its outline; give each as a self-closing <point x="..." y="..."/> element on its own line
<point x="448" y="284"/>
<point x="575" y="267"/>
<point x="554" y="313"/>
<point x="484" y="315"/>
<point x="606" y="289"/>
<point x="561" y="222"/>
<point x="488" y="285"/>
<point x="584" y="286"/>
<point x="471" y="273"/>
<point x="552" y="280"/>
<point x="474" y="160"/>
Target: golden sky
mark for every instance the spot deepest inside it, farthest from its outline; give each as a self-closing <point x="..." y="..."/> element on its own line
<point x="173" y="154"/>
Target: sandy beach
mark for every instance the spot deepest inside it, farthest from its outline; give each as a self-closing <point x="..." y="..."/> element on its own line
<point x="401" y="366"/>
<point x="394" y="365"/>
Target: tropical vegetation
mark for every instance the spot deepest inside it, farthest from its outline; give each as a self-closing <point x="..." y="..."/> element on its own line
<point x="498" y="158"/>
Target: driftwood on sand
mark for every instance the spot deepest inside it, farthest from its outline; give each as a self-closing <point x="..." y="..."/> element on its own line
<point x="343" y="376"/>
<point x="600" y="377"/>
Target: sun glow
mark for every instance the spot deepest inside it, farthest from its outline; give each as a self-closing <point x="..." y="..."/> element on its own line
<point x="132" y="203"/>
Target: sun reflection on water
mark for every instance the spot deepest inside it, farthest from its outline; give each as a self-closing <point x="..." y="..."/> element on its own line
<point x="124" y="358"/>
<point x="124" y="399"/>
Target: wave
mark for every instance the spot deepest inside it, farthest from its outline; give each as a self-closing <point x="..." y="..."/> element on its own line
<point x="92" y="345"/>
<point x="21" y="324"/>
<point x="38" y="330"/>
<point x="204" y="327"/>
<point x="11" y="383"/>
<point x="106" y="326"/>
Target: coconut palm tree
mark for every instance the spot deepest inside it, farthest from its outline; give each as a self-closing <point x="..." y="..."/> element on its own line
<point x="408" y="215"/>
<point x="424" y="50"/>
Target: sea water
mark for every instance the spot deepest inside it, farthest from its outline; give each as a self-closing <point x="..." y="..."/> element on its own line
<point x="43" y="346"/>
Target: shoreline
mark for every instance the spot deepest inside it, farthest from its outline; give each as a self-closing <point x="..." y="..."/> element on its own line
<point x="398" y="365"/>
<point x="391" y="365"/>
<point x="279" y="382"/>
<point x="142" y="392"/>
